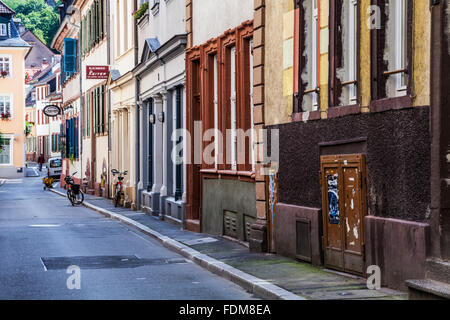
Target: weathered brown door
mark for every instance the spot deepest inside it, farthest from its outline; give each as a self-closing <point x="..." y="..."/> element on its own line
<point x="344" y="208"/>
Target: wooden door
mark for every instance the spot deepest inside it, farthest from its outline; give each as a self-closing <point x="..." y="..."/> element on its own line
<point x="344" y="208"/>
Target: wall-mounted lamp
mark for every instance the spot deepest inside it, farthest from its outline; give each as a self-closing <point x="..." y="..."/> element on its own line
<point x="152" y="119"/>
<point x="161" y="116"/>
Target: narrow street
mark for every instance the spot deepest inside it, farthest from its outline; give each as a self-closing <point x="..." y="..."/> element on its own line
<point x="41" y="235"/>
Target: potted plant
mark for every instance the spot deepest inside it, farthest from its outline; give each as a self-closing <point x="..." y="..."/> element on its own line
<point x="139" y="13"/>
<point x="4" y="73"/>
<point x="5" y="115"/>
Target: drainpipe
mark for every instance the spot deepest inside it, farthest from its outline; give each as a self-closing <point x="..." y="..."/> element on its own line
<point x="138" y="118"/>
<point x="108" y="46"/>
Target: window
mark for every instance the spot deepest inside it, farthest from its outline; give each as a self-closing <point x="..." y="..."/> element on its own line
<point x="93" y="26"/>
<point x="6" y="104"/>
<point x="232" y="52"/>
<point x="250" y="72"/>
<point x="306" y="84"/>
<point x="99" y="111"/>
<point x="391" y="50"/>
<point x="216" y="112"/>
<point x="401" y="43"/>
<point x="5" y="64"/>
<point x="6" y="151"/>
<point x="3" y="30"/>
<point x="343" y="57"/>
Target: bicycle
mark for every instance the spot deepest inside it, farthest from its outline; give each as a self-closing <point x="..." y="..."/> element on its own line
<point x="74" y="193"/>
<point x="118" y="185"/>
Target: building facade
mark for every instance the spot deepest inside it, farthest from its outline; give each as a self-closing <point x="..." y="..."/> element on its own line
<point x="121" y="88"/>
<point x="221" y="194"/>
<point x="66" y="41"/>
<point x="13" y="50"/>
<point x="161" y="96"/>
<point x="348" y="90"/>
<point x="94" y="112"/>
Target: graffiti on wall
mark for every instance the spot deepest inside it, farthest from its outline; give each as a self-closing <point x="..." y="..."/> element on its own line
<point x="333" y="199"/>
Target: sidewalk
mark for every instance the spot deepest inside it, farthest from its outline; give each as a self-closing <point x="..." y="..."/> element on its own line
<point x="266" y="275"/>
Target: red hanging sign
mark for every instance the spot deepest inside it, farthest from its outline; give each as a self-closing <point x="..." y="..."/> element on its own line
<point x="97" y="72"/>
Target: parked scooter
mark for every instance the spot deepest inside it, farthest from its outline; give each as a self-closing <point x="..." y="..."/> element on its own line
<point x="119" y="185"/>
<point x="74" y="192"/>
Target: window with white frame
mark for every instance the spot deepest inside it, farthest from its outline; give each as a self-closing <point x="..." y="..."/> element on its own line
<point x="352" y="49"/>
<point x="401" y="42"/>
<point x="233" y="108"/>
<point x="344" y="52"/>
<point x="395" y="75"/>
<point x="6" y="151"/>
<point x="252" y="139"/>
<point x="307" y="97"/>
<point x="314" y="67"/>
<point x="3" y="29"/>
<point x="216" y="113"/>
<point x="5" y="64"/>
<point x="6" y="104"/>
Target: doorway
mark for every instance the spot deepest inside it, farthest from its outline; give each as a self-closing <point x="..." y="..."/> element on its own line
<point x="343" y="181"/>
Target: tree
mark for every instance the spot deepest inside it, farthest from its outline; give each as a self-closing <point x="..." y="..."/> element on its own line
<point x="37" y="16"/>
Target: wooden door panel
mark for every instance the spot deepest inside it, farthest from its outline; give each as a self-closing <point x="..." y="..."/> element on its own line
<point x="333" y="217"/>
<point x="352" y="234"/>
<point x="343" y="205"/>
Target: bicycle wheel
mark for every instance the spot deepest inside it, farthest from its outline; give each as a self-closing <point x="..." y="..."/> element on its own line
<point x="69" y="195"/>
<point x="117" y="199"/>
<point x="79" y="198"/>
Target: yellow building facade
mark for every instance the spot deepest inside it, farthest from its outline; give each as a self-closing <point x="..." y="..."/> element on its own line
<point x="12" y="96"/>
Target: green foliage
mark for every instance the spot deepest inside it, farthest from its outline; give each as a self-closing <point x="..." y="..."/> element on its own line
<point x="37" y="16"/>
<point x="141" y="11"/>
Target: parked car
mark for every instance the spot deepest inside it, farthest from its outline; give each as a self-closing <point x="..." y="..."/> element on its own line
<point x="55" y="167"/>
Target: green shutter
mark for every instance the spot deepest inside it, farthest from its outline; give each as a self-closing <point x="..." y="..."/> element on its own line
<point x="102" y="17"/>
<point x="95" y="110"/>
<point x="87" y="114"/>
<point x="97" y="20"/>
<point x="102" y="109"/>
<point x="82" y="116"/>
<point x="90" y="30"/>
<point x="70" y="55"/>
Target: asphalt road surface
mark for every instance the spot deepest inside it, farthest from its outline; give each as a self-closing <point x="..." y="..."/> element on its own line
<point x="42" y="235"/>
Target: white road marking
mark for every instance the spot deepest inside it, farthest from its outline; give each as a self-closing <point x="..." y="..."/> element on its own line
<point x="44" y="225"/>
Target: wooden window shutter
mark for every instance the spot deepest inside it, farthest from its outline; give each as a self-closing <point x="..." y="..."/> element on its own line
<point x="82" y="36"/>
<point x="70" y="57"/>
<point x="102" y="109"/>
<point x="102" y="18"/>
<point x="88" y="32"/>
<point x="87" y="114"/>
<point x="82" y="116"/>
<point x="97" y="26"/>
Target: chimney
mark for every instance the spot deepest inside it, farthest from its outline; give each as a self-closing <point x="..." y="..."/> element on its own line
<point x="44" y="63"/>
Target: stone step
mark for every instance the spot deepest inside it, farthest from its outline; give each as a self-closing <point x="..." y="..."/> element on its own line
<point x="438" y="270"/>
<point x="428" y="290"/>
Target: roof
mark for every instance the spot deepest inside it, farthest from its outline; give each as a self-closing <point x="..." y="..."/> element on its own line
<point x="38" y="51"/>
<point x="115" y="74"/>
<point x="5" y="9"/>
<point x="14" y="39"/>
<point x="153" y="44"/>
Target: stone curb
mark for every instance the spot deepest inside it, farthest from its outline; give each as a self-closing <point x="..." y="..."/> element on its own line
<point x="250" y="283"/>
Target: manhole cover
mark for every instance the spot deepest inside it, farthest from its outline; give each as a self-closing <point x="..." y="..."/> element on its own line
<point x="104" y="262"/>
